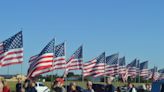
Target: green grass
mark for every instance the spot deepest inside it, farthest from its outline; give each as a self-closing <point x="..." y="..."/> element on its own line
<point x="82" y="84"/>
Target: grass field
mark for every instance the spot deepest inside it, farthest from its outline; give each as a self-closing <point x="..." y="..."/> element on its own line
<point x="82" y="84"/>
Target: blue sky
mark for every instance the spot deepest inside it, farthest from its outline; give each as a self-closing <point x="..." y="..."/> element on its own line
<point x="132" y="28"/>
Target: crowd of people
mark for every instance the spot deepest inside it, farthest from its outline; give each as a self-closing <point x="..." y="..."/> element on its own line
<point x="58" y="86"/>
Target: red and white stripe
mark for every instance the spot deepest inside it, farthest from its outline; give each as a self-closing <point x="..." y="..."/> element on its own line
<point x="13" y="56"/>
<point x="144" y="72"/>
<point x="59" y="63"/>
<point x="42" y="65"/>
<point x="132" y="71"/>
<point x="91" y="68"/>
<point x="111" y="70"/>
<point x="122" y="70"/>
<point x="124" y="76"/>
<point x="74" y="64"/>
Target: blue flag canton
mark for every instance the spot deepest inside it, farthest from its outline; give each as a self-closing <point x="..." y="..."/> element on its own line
<point x="112" y="59"/>
<point x="133" y="63"/>
<point x="78" y="53"/>
<point x="101" y="58"/>
<point x="155" y="69"/>
<point x="13" y="42"/>
<point x="49" y="48"/>
<point x="59" y="50"/>
<point x="122" y="61"/>
<point x="161" y="70"/>
<point x="144" y="65"/>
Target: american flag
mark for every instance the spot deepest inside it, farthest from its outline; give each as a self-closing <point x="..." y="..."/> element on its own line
<point x="133" y="68"/>
<point x="43" y="62"/>
<point x="153" y="73"/>
<point x="122" y="66"/>
<point x="123" y="72"/>
<point x="11" y="50"/>
<point x="75" y="62"/>
<point x="59" y="60"/>
<point x="95" y="67"/>
<point x="112" y="65"/>
<point x="144" y="69"/>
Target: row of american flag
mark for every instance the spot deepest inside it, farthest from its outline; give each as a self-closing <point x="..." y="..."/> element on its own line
<point x="52" y="57"/>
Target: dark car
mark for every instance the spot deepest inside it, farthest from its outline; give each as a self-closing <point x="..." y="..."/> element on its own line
<point x="98" y="87"/>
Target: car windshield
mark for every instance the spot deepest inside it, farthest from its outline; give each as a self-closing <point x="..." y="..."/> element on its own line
<point x="40" y="84"/>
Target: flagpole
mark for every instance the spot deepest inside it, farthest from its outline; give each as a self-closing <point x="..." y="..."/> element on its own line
<point x="65" y="66"/>
<point x="82" y="71"/>
<point x="22" y="63"/>
<point x="53" y="63"/>
<point x="105" y="69"/>
<point x="117" y="67"/>
<point x="139" y="73"/>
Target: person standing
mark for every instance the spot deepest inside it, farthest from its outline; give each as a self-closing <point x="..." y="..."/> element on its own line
<point x="1" y="86"/>
<point x="6" y="88"/>
<point x="72" y="87"/>
<point x="109" y="86"/>
<point x="131" y="88"/>
<point x="19" y="85"/>
<point x="89" y="87"/>
<point x="58" y="85"/>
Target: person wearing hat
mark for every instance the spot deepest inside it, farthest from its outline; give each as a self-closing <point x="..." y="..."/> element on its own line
<point x="58" y="85"/>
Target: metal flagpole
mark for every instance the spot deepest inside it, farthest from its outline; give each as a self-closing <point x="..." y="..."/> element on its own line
<point x="139" y="73"/>
<point x="53" y="62"/>
<point x="65" y="66"/>
<point x="105" y="69"/>
<point x="117" y="65"/>
<point x="82" y="71"/>
<point x="21" y="67"/>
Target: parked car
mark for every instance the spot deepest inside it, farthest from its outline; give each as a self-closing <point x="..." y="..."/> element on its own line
<point x="98" y="87"/>
<point x="40" y="87"/>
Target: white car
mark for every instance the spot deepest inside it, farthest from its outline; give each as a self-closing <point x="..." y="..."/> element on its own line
<point x="40" y="87"/>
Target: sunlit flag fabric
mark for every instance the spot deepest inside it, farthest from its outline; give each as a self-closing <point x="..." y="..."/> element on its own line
<point x="75" y="62"/>
<point x="132" y="68"/>
<point x="59" y="60"/>
<point x="112" y="65"/>
<point x="95" y="67"/>
<point x="11" y="50"/>
<point x="144" y="69"/>
<point x="43" y="62"/>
